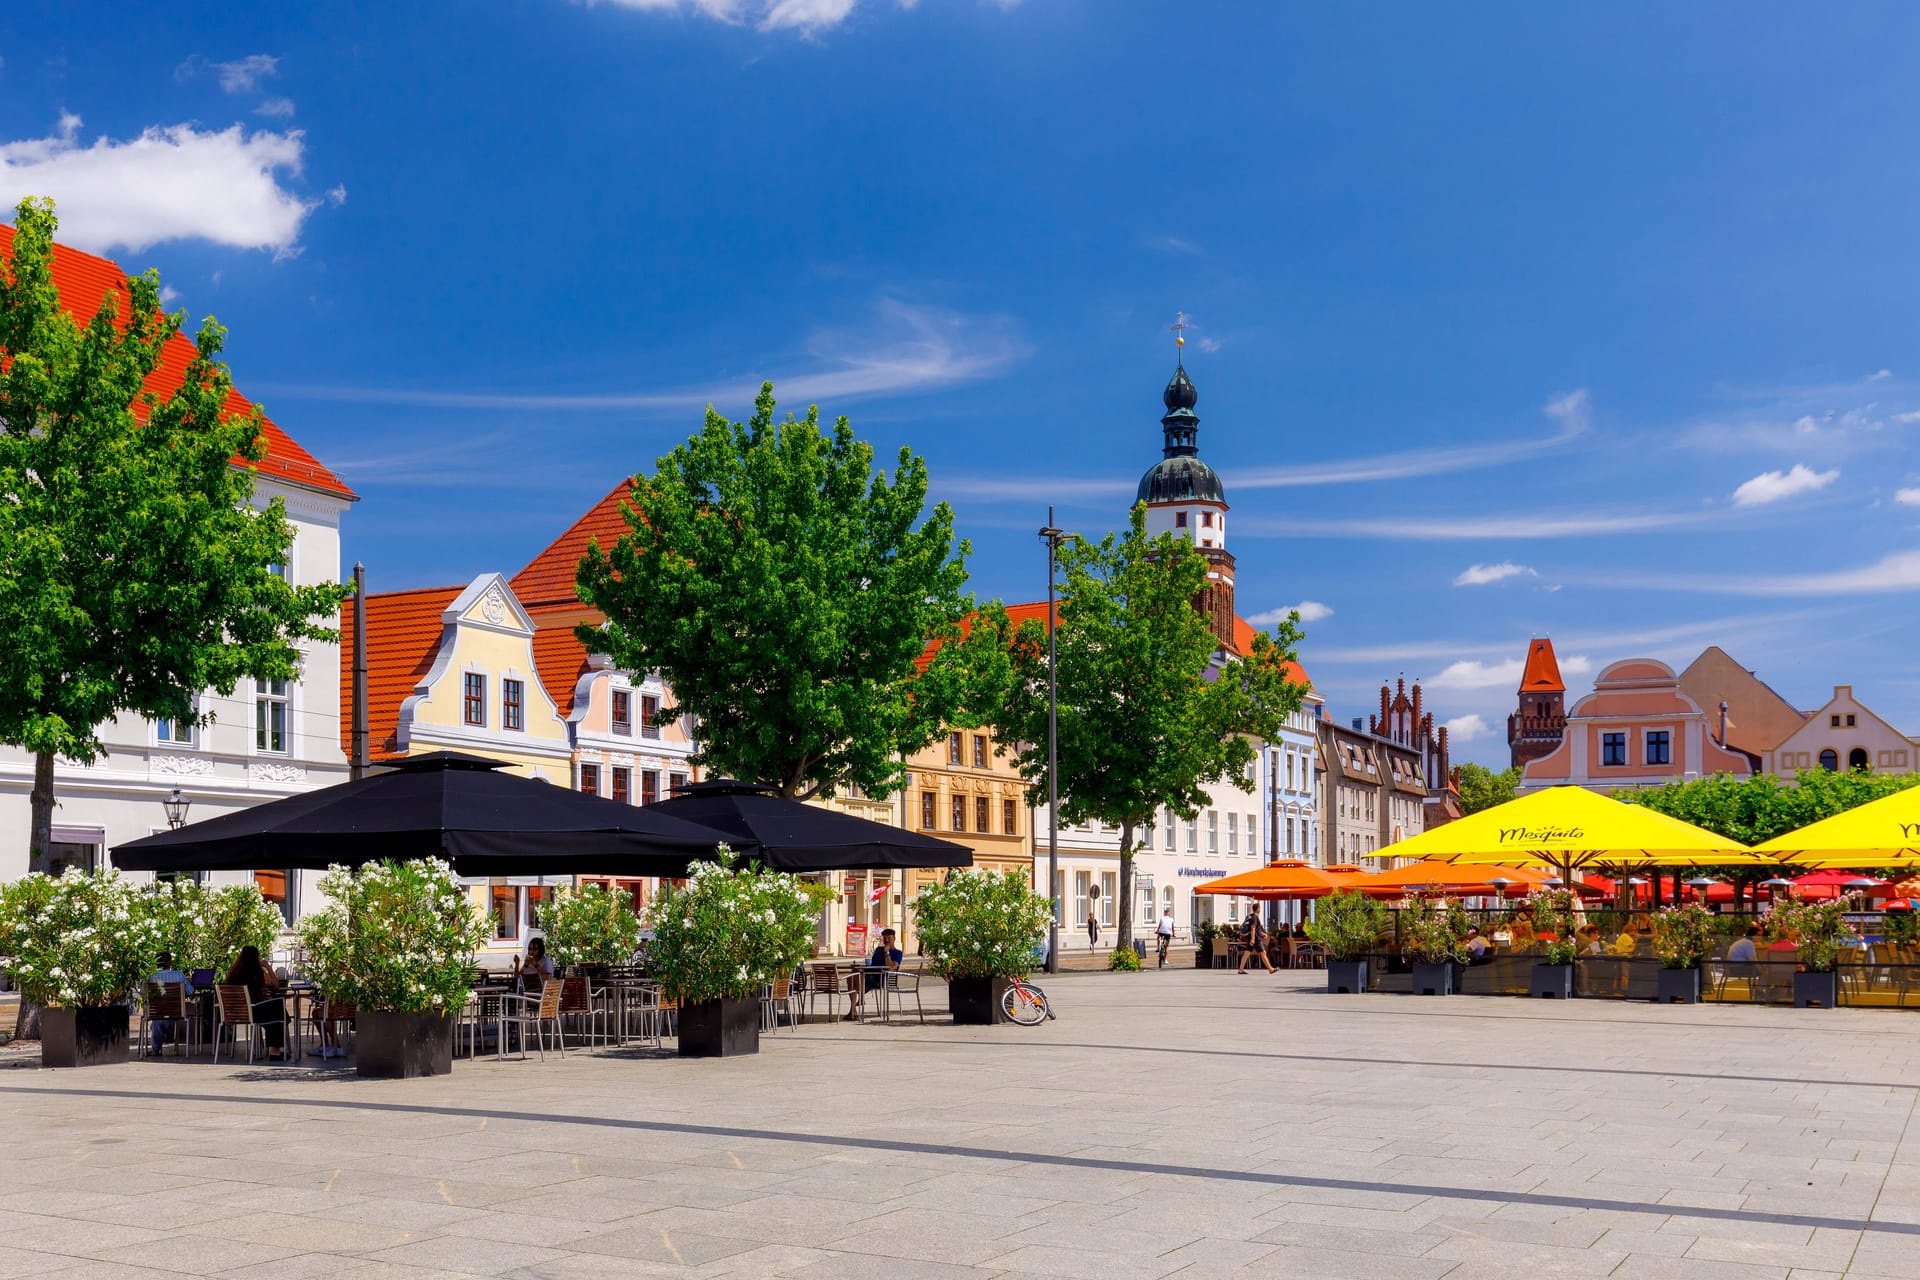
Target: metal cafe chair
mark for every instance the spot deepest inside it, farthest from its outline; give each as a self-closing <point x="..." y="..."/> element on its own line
<point x="538" y="1012"/>
<point x="898" y="983"/>
<point x="166" y="1003"/>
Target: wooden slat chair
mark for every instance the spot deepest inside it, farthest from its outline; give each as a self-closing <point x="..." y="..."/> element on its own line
<point x="332" y="1021"/>
<point x="166" y="1005"/>
<point x="233" y="1009"/>
<point x="539" y="1012"/>
<point x="576" y="1001"/>
<point x="775" y="996"/>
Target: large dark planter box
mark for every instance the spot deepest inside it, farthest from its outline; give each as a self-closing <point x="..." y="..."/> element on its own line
<point x="719" y="1028"/>
<point x="1346" y="977"/>
<point x="1679" y="986"/>
<point x="94" y="1037"/>
<point x="402" y="1046"/>
<point x="1203" y="956"/>
<point x="1554" y="981"/>
<point x="975" y="1002"/>
<point x="1433" y="979"/>
<point x="1821" y="989"/>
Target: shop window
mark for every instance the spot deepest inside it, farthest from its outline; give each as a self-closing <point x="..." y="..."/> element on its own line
<point x="513" y="704"/>
<point x="504" y="906"/>
<point x="1613" y="750"/>
<point x="622" y="715"/>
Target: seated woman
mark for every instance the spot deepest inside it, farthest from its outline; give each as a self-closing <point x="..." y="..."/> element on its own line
<point x="1590" y="944"/>
<point x="531" y="973"/>
<point x="263" y="993"/>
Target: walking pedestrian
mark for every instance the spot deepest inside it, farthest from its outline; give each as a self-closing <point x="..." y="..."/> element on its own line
<point x="1253" y="939"/>
<point x="1093" y="928"/>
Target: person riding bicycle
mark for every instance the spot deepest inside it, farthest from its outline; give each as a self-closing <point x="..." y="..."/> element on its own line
<point x="1164" y="931"/>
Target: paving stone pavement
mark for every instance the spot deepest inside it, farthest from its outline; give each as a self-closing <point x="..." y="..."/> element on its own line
<point x="1181" y="1123"/>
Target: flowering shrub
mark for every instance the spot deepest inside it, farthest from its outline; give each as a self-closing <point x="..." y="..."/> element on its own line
<point x="1683" y="936"/>
<point x="981" y="924"/>
<point x="1819" y="929"/>
<point x="398" y="937"/>
<point x="206" y="928"/>
<point x="1436" y="932"/>
<point x="730" y="932"/>
<point x="1348" y="924"/>
<point x="77" y="940"/>
<point x="589" y="925"/>
<point x="1123" y="960"/>
<point x="1553" y="913"/>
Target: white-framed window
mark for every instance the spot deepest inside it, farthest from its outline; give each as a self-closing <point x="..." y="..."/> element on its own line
<point x="1213" y="831"/>
<point x="272" y="710"/>
<point x="1253" y="839"/>
<point x="1109" y="892"/>
<point x="1233" y="833"/>
<point x="622" y="712"/>
<point x="1166" y="840"/>
<point x="179" y="733"/>
<point x="1082" y="895"/>
<point x="513" y="704"/>
<point x="1193" y="833"/>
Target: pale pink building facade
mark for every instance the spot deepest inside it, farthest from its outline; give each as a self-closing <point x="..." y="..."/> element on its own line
<point x="1636" y="729"/>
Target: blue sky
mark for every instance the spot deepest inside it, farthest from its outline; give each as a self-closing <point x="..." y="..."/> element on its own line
<point x="1508" y="319"/>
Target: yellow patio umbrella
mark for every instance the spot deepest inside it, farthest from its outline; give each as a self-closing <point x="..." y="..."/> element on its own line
<point x="1568" y="828"/>
<point x="1286" y="880"/>
<point x="1880" y="833"/>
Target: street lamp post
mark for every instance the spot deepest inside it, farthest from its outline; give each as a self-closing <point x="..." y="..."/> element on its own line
<point x="1052" y="536"/>
<point x="176" y="806"/>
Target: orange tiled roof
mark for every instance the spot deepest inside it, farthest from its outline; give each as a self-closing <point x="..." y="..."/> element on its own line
<point x="84" y="281"/>
<point x="559" y="659"/>
<point x="1542" y="674"/>
<point x="403" y="633"/>
<point x="548" y="581"/>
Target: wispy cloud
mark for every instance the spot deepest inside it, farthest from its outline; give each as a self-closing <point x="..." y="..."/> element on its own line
<point x="1772" y="486"/>
<point x="173" y="182"/>
<point x="242" y="75"/>
<point x="276" y="108"/>
<point x="1572" y="412"/>
<point x="1466" y="528"/>
<point x="911" y="349"/>
<point x="808" y="17"/>
<point x="1907" y="497"/>
<point x="1467" y="728"/>
<point x="1468" y="673"/>
<point x="1896" y="572"/>
<point x="1174" y="244"/>
<point x="1480" y="575"/>
<point x="1309" y="611"/>
<point x="1633" y="641"/>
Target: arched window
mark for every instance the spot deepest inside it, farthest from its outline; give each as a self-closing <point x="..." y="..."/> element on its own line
<point x="1857" y="759"/>
<point x="1830" y="760"/>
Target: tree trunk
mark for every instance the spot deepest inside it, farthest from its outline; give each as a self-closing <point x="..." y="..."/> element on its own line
<point x="40" y="833"/>
<point x="1125" y="916"/>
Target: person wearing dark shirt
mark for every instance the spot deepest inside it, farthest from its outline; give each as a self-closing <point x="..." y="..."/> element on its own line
<point x="885" y="956"/>
<point x="263" y="993"/>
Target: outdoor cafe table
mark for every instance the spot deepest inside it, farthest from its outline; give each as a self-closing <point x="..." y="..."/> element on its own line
<point x="844" y="973"/>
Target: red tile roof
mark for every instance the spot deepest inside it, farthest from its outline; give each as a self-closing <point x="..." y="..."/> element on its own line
<point x="84" y="281"/>
<point x="548" y="581"/>
<point x="1542" y="674"/>
<point x="559" y="659"/>
<point x="403" y="633"/>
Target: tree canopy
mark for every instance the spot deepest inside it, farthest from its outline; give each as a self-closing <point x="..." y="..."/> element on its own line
<point x="1146" y="718"/>
<point x="787" y="594"/>
<point x="1482" y="788"/>
<point x="134" y="570"/>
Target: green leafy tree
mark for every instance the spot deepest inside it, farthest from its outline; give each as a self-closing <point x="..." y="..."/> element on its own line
<point x="788" y="594"/>
<point x="1146" y="719"/>
<point x="1482" y="788"/>
<point x="134" y="569"/>
<point x="1759" y="807"/>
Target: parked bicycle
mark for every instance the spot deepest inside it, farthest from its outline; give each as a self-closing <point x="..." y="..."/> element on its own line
<point x="1025" y="1003"/>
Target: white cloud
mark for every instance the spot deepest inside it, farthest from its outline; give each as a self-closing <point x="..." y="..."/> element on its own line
<point x="1881" y="376"/>
<point x="1899" y="571"/>
<point x="1469" y="673"/>
<point x="1907" y="417"/>
<point x="1772" y="486"/>
<point x="1480" y="575"/>
<point x="172" y="182"/>
<point x="1467" y="728"/>
<point x="337" y="195"/>
<point x="279" y="108"/>
<point x="1309" y="611"/>
<point x="1174" y="244"/>
<point x="1907" y="497"/>
<point x="805" y="16"/>
<point x="907" y="349"/>
<point x="168" y="295"/>
<point x="243" y="75"/>
<point x="1468" y="528"/>
<point x="1207" y="344"/>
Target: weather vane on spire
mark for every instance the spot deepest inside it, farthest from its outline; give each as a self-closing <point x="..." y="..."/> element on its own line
<point x="1179" y="328"/>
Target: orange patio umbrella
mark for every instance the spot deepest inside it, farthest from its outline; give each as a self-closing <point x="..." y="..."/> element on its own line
<point x="1287" y="880"/>
<point x="1453" y="880"/>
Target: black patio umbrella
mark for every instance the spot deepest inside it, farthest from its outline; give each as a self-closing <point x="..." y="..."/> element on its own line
<point x="446" y="804"/>
<point x="787" y="835"/>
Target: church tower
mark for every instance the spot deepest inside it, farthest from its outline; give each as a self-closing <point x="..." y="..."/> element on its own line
<point x="1184" y="496"/>
<point x="1539" y="721"/>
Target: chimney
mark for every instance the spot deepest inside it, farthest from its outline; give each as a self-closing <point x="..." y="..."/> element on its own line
<point x="1723" y="722"/>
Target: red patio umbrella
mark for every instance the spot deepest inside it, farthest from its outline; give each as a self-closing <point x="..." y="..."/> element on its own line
<point x="1835" y="883"/>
